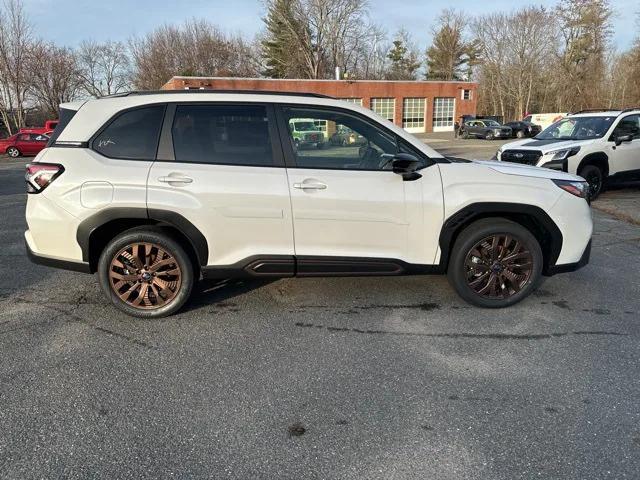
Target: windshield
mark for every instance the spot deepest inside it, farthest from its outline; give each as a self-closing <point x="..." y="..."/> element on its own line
<point x="579" y="128"/>
<point x="305" y="126"/>
<point x="491" y="123"/>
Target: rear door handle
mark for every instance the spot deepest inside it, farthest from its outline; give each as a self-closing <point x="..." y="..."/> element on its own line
<point x="176" y="179"/>
<point x="310" y="186"/>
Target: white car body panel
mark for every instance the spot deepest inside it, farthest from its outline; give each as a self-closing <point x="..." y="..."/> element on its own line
<point x="246" y="211"/>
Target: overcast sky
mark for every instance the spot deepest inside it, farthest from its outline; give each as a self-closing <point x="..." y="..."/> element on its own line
<point x="68" y="22"/>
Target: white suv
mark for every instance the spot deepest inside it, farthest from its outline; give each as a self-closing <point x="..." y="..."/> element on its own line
<point x="155" y="190"/>
<point x="599" y="146"/>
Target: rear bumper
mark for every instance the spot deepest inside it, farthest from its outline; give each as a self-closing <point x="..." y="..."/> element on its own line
<point x="53" y="262"/>
<point x="571" y="267"/>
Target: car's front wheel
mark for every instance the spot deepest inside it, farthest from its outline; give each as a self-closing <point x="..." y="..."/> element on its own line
<point x="495" y="263"/>
<point x="489" y="136"/>
<point x="520" y="134"/>
<point x="146" y="273"/>
<point x="13" y="152"/>
<point x="595" y="178"/>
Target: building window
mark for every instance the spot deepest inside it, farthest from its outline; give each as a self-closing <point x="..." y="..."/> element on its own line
<point x="413" y="113"/>
<point x="357" y="101"/>
<point x="466" y="94"/>
<point x="443" y="112"/>
<point x="385" y="107"/>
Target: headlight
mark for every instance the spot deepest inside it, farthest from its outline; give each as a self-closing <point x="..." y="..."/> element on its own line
<point x="563" y="153"/>
<point x="579" y="189"/>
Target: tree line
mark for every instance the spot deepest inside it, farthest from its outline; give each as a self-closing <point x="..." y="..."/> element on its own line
<point x="532" y="59"/>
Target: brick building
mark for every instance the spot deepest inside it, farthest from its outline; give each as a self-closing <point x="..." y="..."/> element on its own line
<point x="417" y="106"/>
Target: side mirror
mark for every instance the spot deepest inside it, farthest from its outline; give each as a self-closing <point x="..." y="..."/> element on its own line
<point x="623" y="138"/>
<point x="406" y="165"/>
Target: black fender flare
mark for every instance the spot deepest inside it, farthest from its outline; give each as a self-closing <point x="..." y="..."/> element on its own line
<point x="475" y="211"/>
<point x="595" y="157"/>
<point x="157" y="217"/>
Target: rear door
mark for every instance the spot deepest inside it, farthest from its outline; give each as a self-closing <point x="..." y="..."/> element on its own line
<point x="220" y="166"/>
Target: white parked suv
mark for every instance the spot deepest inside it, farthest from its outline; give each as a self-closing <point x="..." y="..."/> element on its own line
<point x="600" y="146"/>
<point x="155" y="190"/>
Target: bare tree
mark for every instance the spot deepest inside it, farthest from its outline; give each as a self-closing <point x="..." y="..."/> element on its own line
<point x="15" y="43"/>
<point x="54" y="76"/>
<point x="103" y="68"/>
<point x="195" y="48"/>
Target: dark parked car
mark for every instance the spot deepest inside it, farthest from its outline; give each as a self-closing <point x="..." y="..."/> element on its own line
<point x="345" y="136"/>
<point x="488" y="129"/>
<point x="523" y="129"/>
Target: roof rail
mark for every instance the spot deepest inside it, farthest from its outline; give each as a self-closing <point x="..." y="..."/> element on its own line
<point x="594" y="110"/>
<point x="194" y="91"/>
<point x="631" y="109"/>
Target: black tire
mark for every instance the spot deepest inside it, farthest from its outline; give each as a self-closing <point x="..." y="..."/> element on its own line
<point x="13" y="152"/>
<point x="461" y="278"/>
<point x="489" y="136"/>
<point x="595" y="178"/>
<point x="465" y="135"/>
<point x="172" y="248"/>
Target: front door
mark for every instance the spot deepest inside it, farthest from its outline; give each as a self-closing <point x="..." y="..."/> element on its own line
<point x="220" y="166"/>
<point x="346" y="201"/>
<point x="625" y="159"/>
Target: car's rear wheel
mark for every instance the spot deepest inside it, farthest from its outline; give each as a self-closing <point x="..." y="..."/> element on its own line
<point x="13" y="152"/>
<point x="495" y="263"/>
<point x="595" y="178"/>
<point x="146" y="273"/>
<point x="465" y="135"/>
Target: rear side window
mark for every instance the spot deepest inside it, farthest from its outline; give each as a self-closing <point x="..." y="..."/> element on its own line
<point x="222" y="134"/>
<point x="65" y="117"/>
<point x="132" y="135"/>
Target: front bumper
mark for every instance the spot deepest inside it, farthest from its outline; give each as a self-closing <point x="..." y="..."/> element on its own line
<point x="571" y="267"/>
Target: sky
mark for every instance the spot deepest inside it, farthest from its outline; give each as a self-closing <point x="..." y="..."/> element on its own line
<point x="68" y="22"/>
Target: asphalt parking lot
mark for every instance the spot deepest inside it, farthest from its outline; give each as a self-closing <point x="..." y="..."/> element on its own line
<point x="321" y="378"/>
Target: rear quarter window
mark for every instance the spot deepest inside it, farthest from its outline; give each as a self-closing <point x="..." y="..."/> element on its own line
<point x="132" y="135"/>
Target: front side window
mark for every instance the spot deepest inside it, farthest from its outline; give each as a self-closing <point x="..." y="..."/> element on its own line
<point x="132" y="135"/>
<point x="348" y="143"/>
<point x="577" y="128"/>
<point x="629" y="125"/>
<point x="224" y="135"/>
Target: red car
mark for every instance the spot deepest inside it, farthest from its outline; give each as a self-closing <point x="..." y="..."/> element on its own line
<point x="27" y="144"/>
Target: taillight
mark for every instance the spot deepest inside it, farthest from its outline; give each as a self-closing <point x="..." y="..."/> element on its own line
<point x="39" y="175"/>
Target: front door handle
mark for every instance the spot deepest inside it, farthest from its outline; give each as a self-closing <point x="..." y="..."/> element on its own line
<point x="310" y="186"/>
<point x="175" y="179"/>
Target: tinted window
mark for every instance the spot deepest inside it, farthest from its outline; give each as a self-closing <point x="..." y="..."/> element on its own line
<point x="132" y="135"/>
<point x="222" y="134"/>
<point x="338" y="141"/>
<point x="628" y="126"/>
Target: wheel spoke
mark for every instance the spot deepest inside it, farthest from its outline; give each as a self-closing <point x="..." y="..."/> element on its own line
<point x="135" y="273"/>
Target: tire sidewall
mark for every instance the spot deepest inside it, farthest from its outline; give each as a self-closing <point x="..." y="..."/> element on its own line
<point x="587" y="171"/>
<point x="476" y="232"/>
<point x="13" y="152"/>
<point x="172" y="247"/>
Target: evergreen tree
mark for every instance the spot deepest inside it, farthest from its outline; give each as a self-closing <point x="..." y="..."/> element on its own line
<point x="450" y="57"/>
<point x="280" y="47"/>
<point x="404" y="61"/>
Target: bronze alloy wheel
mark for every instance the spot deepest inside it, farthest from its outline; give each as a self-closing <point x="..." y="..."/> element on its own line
<point x="498" y="266"/>
<point x="145" y="276"/>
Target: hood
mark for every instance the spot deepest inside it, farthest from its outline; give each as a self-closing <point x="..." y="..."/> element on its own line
<point x="546" y="145"/>
<point x="528" y="171"/>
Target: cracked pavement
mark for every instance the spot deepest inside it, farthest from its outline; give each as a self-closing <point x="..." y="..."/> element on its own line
<point x="320" y="378"/>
